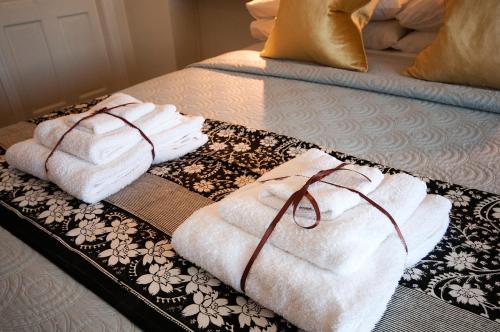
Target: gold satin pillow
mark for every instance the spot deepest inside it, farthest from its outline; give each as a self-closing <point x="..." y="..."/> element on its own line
<point x="466" y="50"/>
<point x="323" y="31"/>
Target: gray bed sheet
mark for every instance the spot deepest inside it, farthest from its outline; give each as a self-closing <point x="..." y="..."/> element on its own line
<point x="319" y="105"/>
<point x="446" y="140"/>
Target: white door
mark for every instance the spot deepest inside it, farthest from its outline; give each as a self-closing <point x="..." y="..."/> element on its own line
<point x="53" y="53"/>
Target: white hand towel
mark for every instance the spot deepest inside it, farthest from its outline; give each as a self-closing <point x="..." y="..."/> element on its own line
<point x="432" y="215"/>
<point x="340" y="245"/>
<point x="103" y="148"/>
<point x="332" y="201"/>
<point x="92" y="183"/>
<point x="88" y="182"/>
<point x="102" y="123"/>
<point x="180" y="147"/>
<point x="311" y="298"/>
<point x="179" y="140"/>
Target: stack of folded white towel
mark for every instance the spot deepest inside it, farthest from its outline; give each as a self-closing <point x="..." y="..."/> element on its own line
<point x="338" y="276"/>
<point x="103" y="154"/>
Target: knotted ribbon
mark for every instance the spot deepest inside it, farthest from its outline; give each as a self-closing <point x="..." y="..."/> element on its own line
<point x="104" y="110"/>
<point x="294" y="201"/>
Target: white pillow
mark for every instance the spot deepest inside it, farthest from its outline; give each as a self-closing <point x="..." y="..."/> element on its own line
<point x="379" y="35"/>
<point x="261" y="29"/>
<point x="415" y="41"/>
<point x="263" y="8"/>
<point x="423" y="15"/>
<point x="387" y="9"/>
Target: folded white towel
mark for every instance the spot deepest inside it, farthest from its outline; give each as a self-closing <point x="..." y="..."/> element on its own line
<point x="340" y="245"/>
<point x="88" y="182"/>
<point x="102" y="123"/>
<point x="432" y="215"/>
<point x="181" y="147"/>
<point x="92" y="183"/>
<point x="179" y="140"/>
<point x="103" y="148"/>
<point x="309" y="297"/>
<point x="332" y="201"/>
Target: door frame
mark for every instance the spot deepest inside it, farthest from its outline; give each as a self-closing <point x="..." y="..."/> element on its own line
<point x="113" y="17"/>
<point x="7" y="82"/>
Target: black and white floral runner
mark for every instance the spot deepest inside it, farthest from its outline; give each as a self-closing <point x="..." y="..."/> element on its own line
<point x="135" y="262"/>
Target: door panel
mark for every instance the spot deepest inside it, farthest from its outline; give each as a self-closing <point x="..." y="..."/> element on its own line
<point x="84" y="53"/>
<point x="37" y="85"/>
<point x="54" y="54"/>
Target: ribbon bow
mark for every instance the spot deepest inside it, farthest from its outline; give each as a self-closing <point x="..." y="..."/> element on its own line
<point x="294" y="201"/>
<point x="104" y="110"/>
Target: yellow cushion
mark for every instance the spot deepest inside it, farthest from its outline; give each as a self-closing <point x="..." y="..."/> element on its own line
<point x="323" y="31"/>
<point x="466" y="50"/>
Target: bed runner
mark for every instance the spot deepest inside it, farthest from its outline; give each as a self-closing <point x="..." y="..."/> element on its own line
<point x="120" y="248"/>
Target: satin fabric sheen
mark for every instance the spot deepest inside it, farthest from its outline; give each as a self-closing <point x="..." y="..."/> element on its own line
<point x="466" y="48"/>
<point x="328" y="32"/>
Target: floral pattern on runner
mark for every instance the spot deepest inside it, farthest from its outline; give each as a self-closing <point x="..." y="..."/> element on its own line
<point x="463" y="269"/>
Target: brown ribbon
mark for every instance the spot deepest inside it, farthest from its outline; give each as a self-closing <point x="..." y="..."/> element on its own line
<point x="311" y="199"/>
<point x="104" y="110"/>
<point x="294" y="201"/>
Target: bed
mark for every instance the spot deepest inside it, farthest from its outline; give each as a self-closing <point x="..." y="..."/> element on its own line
<point x="440" y="132"/>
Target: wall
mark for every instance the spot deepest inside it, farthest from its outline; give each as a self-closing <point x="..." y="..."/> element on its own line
<point x="149" y="23"/>
<point x="167" y="35"/>
<point x="164" y="35"/>
<point x="224" y="26"/>
<point x="186" y="31"/>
